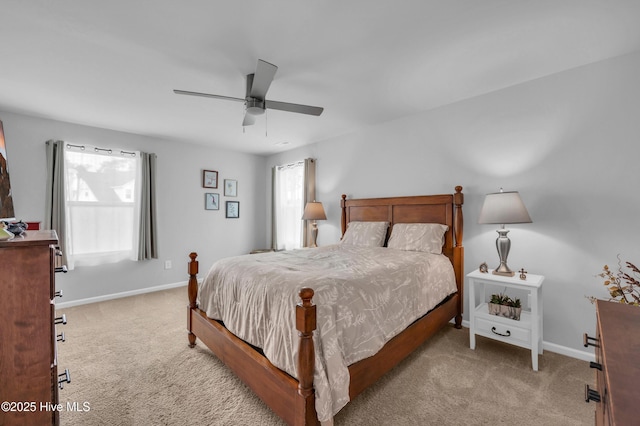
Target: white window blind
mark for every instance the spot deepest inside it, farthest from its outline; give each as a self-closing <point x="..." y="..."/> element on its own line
<point x="289" y="205"/>
<point x="102" y="188"/>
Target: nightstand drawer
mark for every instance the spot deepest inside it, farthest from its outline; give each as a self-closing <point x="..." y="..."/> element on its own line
<point x="501" y="330"/>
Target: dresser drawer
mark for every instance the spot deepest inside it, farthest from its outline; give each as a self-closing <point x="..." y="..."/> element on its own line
<point x="504" y="330"/>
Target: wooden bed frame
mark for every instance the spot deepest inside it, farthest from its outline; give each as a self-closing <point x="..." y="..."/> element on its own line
<point x="294" y="400"/>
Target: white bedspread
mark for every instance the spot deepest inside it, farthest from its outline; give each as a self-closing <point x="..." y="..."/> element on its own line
<point x="364" y="297"/>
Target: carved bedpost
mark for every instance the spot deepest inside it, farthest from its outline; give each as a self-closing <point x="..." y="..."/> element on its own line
<point x="458" y="200"/>
<point x="305" y="324"/>
<point x="458" y="250"/>
<point x="193" y="294"/>
<point x="343" y="221"/>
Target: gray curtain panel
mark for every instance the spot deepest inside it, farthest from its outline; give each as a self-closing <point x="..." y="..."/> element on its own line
<point x="309" y="195"/>
<point x="55" y="202"/>
<point x="148" y="240"/>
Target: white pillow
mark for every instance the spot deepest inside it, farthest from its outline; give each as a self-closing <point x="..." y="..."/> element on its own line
<point x="367" y="234"/>
<point x="427" y="237"/>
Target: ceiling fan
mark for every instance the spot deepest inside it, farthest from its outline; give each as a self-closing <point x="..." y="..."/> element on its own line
<point x="254" y="100"/>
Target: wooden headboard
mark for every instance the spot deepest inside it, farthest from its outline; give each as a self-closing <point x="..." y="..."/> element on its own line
<point x="444" y="208"/>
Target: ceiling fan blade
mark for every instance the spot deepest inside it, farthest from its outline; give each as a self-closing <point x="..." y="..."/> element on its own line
<point x="262" y="79"/>
<point x="300" y="109"/>
<point x="207" y="95"/>
<point x="249" y="120"/>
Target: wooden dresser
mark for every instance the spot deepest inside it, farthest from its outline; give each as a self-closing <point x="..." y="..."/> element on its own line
<point x="617" y="365"/>
<point x="29" y="379"/>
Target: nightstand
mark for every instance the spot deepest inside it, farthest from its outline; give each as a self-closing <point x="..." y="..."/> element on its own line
<point x="527" y="332"/>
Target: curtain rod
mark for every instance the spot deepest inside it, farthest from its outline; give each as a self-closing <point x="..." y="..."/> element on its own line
<point x="286" y="166"/>
<point x="107" y="150"/>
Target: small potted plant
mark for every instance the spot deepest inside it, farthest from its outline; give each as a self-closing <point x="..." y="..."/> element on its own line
<point x="504" y="306"/>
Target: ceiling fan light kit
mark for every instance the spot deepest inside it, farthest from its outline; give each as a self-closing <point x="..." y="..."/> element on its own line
<point x="255" y="99"/>
<point x="254" y="106"/>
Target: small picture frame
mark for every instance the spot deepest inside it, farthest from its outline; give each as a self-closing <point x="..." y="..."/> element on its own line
<point x="209" y="179"/>
<point x="211" y="201"/>
<point x="230" y="187"/>
<point x="232" y="209"/>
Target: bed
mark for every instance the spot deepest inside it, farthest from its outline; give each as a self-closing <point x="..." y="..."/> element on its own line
<point x="294" y="400"/>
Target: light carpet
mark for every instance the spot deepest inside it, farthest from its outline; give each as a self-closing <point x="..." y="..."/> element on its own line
<point x="130" y="363"/>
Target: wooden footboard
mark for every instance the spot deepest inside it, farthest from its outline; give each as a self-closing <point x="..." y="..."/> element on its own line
<point x="293" y="400"/>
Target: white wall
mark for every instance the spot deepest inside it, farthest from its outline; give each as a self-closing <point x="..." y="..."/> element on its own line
<point x="569" y="143"/>
<point x="183" y="224"/>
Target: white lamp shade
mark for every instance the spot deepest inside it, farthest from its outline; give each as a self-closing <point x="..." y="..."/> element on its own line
<point x="314" y="211"/>
<point x="504" y="207"/>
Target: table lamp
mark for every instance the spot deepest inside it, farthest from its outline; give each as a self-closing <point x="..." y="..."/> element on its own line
<point x="502" y="208"/>
<point x="314" y="211"/>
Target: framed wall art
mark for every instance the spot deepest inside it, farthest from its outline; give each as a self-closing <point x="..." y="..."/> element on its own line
<point x="211" y="201"/>
<point x="230" y="187"/>
<point x="233" y="209"/>
<point x="209" y="179"/>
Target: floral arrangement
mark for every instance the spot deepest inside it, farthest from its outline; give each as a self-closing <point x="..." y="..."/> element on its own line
<point x="623" y="287"/>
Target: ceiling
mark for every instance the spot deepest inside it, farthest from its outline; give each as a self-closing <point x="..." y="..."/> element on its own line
<point x="114" y="64"/>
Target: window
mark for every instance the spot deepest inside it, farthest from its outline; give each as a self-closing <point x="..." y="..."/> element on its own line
<point x="102" y="193"/>
<point x="293" y="186"/>
<point x="289" y="205"/>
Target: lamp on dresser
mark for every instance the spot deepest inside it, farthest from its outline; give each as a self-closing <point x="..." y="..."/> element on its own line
<point x="314" y="211"/>
<point x="503" y="208"/>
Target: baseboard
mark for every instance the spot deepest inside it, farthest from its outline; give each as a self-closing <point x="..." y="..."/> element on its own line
<point x="559" y="349"/>
<point x="96" y="299"/>
<point x="563" y="350"/>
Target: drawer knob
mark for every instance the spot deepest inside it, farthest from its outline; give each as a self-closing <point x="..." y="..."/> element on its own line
<point x="590" y="394"/>
<point x="589" y="341"/>
<point x="61" y="338"/>
<point x="493" y="330"/>
<point x="64" y="378"/>
<point x="60" y="320"/>
<point x="595" y="365"/>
